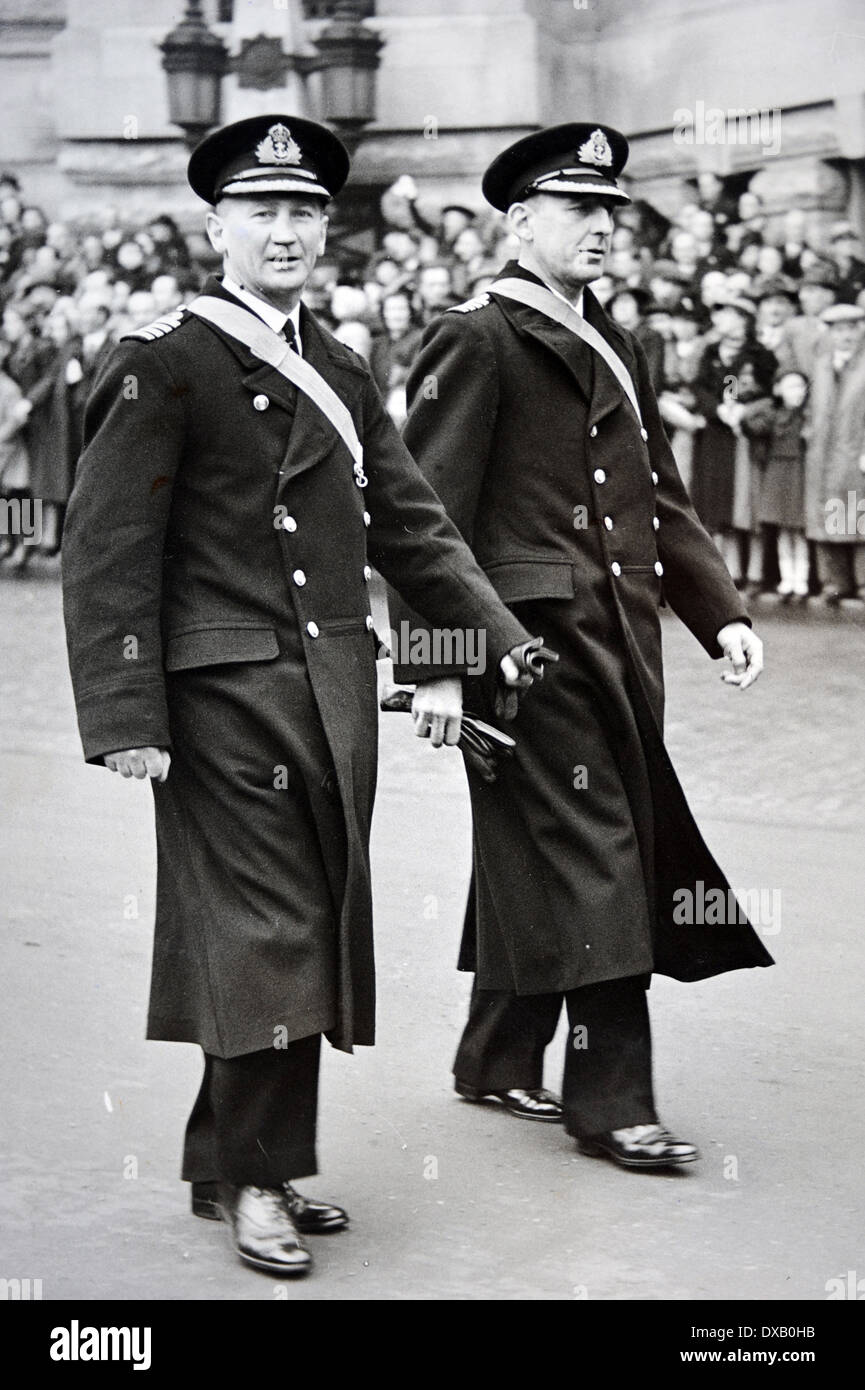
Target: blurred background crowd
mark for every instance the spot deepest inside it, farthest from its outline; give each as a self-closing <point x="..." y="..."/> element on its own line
<point x="752" y="327"/>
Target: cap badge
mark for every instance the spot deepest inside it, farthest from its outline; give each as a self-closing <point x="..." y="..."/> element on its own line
<point x="596" y="150"/>
<point x="278" y="147"/>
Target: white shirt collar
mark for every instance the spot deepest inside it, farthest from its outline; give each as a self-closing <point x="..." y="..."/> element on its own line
<point x="273" y="317"/>
<point x="577" y="307"/>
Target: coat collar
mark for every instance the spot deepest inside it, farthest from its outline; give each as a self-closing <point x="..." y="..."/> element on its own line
<point x="312" y="437"/>
<point x="592" y="376"/>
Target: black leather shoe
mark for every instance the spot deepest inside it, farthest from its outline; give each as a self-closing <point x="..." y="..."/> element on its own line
<point x="528" y="1105"/>
<point x="310" y="1217"/>
<point x="264" y="1234"/>
<point x="642" y="1146"/>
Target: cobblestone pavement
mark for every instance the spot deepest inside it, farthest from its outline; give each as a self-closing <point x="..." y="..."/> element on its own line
<point x="448" y="1200"/>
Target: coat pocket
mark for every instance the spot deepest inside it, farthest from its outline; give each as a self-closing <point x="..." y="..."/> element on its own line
<point x="211" y="646"/>
<point x="516" y="581"/>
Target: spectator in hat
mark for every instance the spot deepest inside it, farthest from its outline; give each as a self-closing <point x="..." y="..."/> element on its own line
<point x="732" y="367"/>
<point x="835" y="461"/>
<point x="779" y="426"/>
<point x="800" y="335"/>
<point x="777" y="302"/>
<point x="846" y="252"/>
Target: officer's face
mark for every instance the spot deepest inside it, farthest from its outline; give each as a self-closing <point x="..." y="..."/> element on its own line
<point x="564" y="239"/>
<point x="269" y="244"/>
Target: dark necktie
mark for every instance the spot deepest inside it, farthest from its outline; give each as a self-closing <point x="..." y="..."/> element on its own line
<point x="289" y="333"/>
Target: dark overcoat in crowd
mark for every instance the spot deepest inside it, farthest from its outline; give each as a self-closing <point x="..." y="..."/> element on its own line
<point x="713" y="476"/>
<point x="579" y="517"/>
<point x="216" y="563"/>
<point x="55" y="428"/>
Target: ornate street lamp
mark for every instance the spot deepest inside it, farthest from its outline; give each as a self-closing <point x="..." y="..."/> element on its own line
<point x="349" y="54"/>
<point x="194" y="61"/>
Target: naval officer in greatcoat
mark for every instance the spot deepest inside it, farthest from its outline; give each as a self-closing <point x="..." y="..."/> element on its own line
<point x="532" y="415"/>
<point x="240" y="477"/>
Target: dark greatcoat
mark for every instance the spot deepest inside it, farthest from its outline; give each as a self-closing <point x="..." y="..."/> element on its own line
<point x="575" y="515"/>
<point x="216" y="565"/>
<point x="713" y="476"/>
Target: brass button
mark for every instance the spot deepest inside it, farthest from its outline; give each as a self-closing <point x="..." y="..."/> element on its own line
<point x="616" y="568"/>
<point x="312" y="629"/>
<point x="655" y="522"/>
<point x="367" y="573"/>
<point x="289" y="523"/>
<point x="659" y="568"/>
<point x="600" y="476"/>
<point x="369" y="622"/>
<point x="366" y="518"/>
<point x="608" y="522"/>
<point x="593" y="432"/>
<point x="299" y="578"/>
<point x="261" y="402"/>
<point x="654" y="478"/>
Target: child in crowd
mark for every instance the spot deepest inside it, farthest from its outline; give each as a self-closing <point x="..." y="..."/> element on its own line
<point x="781" y="425"/>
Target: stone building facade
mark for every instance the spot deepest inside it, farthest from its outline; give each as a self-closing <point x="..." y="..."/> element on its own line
<point x="767" y="93"/>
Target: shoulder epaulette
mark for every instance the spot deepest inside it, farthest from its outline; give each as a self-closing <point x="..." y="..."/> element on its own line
<point x="158" y="329"/>
<point x="479" y="302"/>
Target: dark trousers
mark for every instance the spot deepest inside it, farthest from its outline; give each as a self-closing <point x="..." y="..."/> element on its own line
<point x="607" y="1080"/>
<point x="254" y="1120"/>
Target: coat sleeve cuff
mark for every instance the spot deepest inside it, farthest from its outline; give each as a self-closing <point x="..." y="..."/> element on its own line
<point x="112" y="720"/>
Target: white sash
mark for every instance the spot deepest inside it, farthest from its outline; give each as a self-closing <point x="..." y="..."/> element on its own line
<point x="249" y="329"/>
<point x="540" y="298"/>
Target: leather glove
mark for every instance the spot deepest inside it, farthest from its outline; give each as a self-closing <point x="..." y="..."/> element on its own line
<point x="529" y="660"/>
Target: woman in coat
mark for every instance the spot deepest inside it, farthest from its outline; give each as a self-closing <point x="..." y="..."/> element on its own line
<point x="835" y="463"/>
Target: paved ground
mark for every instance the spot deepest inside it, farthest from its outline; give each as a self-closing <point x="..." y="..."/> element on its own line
<point x="449" y="1201"/>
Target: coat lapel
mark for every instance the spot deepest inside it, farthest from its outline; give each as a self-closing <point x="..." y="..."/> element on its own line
<point x="311" y="436"/>
<point x="593" y="377"/>
<point x="574" y="355"/>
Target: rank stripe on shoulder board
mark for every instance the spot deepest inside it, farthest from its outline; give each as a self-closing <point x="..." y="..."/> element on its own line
<point x="479" y="302"/>
<point x="149" y="332"/>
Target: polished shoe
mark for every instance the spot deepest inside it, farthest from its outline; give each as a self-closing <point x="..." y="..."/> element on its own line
<point x="641" y="1146"/>
<point x="310" y="1217"/>
<point x="265" y="1236"/>
<point x="528" y="1105"/>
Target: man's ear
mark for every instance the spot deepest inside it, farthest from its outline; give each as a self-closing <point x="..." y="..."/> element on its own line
<point x="325" y="223"/>
<point x="520" y="221"/>
<point x="215" y="232"/>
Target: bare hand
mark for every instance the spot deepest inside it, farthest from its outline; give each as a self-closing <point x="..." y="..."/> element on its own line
<point x="437" y="710"/>
<point x="140" y="762"/>
<point x="744" y="650"/>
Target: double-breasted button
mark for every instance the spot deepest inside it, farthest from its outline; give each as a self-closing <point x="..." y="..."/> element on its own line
<point x="299" y="578"/>
<point x="616" y="568"/>
<point x="261" y="402"/>
<point x="367" y="573"/>
<point x="289" y="523"/>
<point x="312" y="629"/>
<point x="608" y="522"/>
<point x="654" y="478"/>
<point x="369" y="622"/>
<point x="366" y="518"/>
<point x="593" y="432"/>
<point x="655" y="522"/>
<point x="659" y="568"/>
<point x="600" y="476"/>
<point x="644" y="434"/>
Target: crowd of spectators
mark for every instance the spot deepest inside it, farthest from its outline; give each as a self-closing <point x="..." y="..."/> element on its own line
<point x="760" y="374"/>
